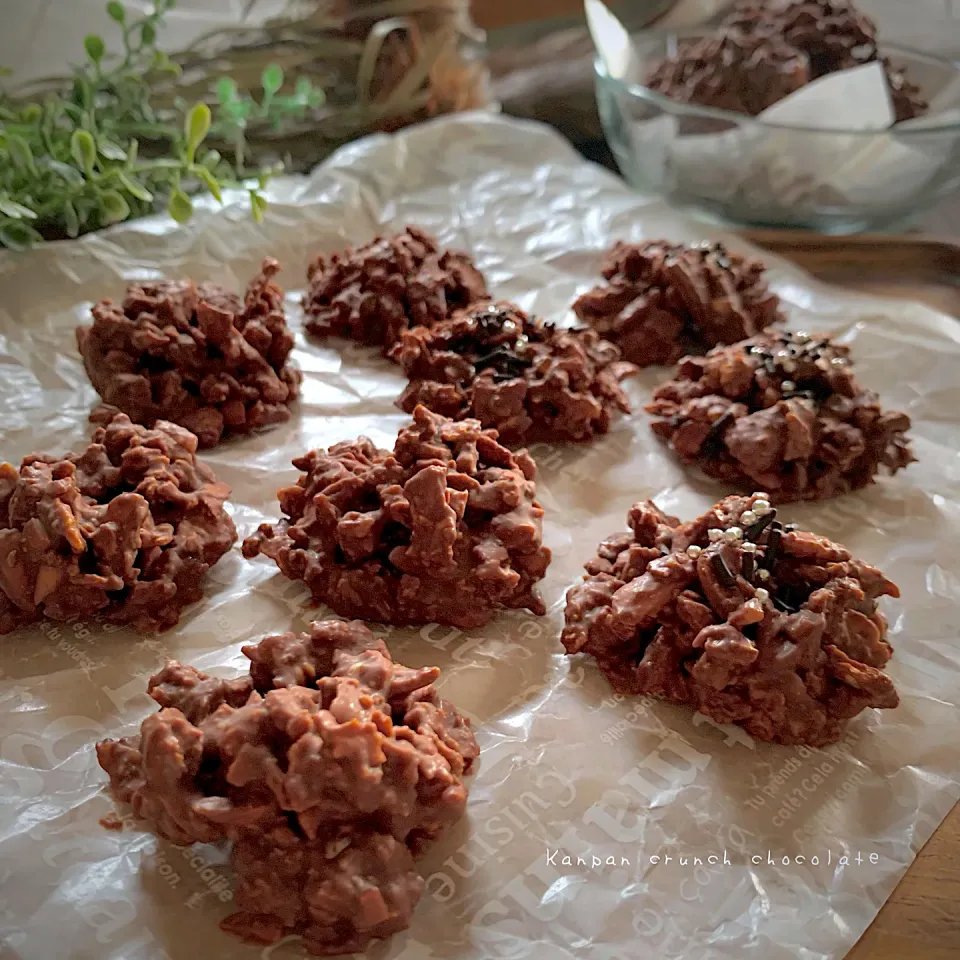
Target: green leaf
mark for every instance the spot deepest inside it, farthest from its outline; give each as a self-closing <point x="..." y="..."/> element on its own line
<point x="148" y="34"/>
<point x="18" y="236"/>
<point x="257" y="206"/>
<point x="164" y="64"/>
<point x="111" y="151"/>
<point x="71" y="175"/>
<point x="226" y="90"/>
<point x="70" y="219"/>
<point x="196" y="127"/>
<point x="132" y="153"/>
<point x="209" y="180"/>
<point x="16" y="210"/>
<point x="134" y="187"/>
<point x="115" y="208"/>
<point x="84" y="150"/>
<point x="302" y="88"/>
<point x="164" y="163"/>
<point x="74" y="112"/>
<point x="85" y="206"/>
<point x="116" y="11"/>
<point x="94" y="47"/>
<point x="31" y="113"/>
<point x="211" y="159"/>
<point x="272" y="79"/>
<point x="179" y="206"/>
<point x="238" y="110"/>
<point x="21" y="154"/>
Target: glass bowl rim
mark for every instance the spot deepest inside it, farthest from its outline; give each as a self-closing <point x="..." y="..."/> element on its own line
<point x="640" y="92"/>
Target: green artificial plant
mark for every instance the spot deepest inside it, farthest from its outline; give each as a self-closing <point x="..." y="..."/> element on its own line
<point x="100" y="151"/>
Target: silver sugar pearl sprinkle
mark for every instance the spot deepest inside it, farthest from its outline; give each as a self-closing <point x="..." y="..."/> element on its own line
<point x="839" y="361"/>
<point x="715" y="535"/>
<point x="801" y="336"/>
<point x="749" y="548"/>
<point x="693" y="551"/>
<point x="748" y="517"/>
<point x="761" y="507"/>
<point x="762" y="595"/>
<point x="763" y="574"/>
<point x="788" y="385"/>
<point x="733" y="534"/>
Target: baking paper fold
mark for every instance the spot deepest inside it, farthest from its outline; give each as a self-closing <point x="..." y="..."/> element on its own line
<point x="567" y="769"/>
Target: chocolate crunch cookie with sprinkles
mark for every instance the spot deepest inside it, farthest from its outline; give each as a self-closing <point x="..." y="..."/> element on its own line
<point x="528" y="379"/>
<point x="745" y="619"/>
<point x="662" y="300"/>
<point x="782" y="411"/>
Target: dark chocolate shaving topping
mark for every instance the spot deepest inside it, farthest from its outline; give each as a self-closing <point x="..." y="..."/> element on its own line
<point x="495" y="319"/>
<point x="723" y="572"/>
<point x="714" y="437"/>
<point x="773" y="546"/>
<point x="754" y="531"/>
<point x="505" y="363"/>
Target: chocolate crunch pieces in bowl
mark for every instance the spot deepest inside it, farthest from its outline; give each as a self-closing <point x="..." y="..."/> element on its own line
<point x="830" y="35"/>
<point x="745" y="619"/>
<point x="764" y="50"/>
<point x="784" y="412"/>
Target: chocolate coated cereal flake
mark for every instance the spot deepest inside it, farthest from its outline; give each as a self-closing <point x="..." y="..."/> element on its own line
<point x="529" y="380"/>
<point x="328" y="768"/>
<point x="780" y="411"/>
<point x="445" y="529"/>
<point x="769" y="627"/>
<point x="126" y="529"/>
<point x="663" y="300"/>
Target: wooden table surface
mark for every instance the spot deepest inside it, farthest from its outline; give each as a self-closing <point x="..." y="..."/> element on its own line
<point x="921" y="920"/>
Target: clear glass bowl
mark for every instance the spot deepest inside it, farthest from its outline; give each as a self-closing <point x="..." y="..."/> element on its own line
<point x="739" y="170"/>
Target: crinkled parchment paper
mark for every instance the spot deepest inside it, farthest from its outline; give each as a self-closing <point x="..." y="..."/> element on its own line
<point x="565" y="766"/>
